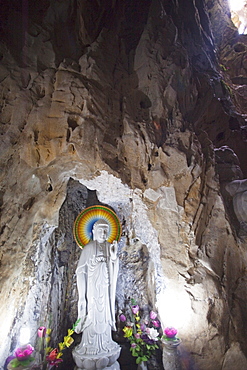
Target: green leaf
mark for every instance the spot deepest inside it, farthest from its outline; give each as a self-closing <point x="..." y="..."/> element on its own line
<point x="14" y="362"/>
<point x="138" y="360"/>
<point x="75" y="324"/>
<point x="27" y="361"/>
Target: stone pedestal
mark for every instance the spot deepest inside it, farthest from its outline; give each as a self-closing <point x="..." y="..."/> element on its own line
<point x="171" y="359"/>
<point x="106" y="361"/>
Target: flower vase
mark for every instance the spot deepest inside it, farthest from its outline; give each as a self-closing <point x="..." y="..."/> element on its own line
<point x="142" y="366"/>
<point x="170" y="357"/>
<point x="9" y="367"/>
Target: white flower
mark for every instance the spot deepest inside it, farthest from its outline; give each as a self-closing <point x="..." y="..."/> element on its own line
<point x="152" y="334"/>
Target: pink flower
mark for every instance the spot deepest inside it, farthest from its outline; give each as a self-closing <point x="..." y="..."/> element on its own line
<point x="122" y="318"/>
<point x="133" y="345"/>
<point x="156" y="323"/>
<point x="153" y="315"/>
<point x="22" y="353"/>
<point x="135" y="309"/>
<point x="41" y="331"/>
<point x="137" y="336"/>
<point x="170" y="332"/>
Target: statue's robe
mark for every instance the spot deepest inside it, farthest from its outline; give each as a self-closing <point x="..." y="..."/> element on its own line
<point x="96" y="280"/>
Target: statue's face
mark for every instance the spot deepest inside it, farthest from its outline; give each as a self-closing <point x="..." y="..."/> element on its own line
<point x="101" y="233"/>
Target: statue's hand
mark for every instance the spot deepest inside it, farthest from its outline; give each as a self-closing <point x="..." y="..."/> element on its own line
<point x="113" y="250"/>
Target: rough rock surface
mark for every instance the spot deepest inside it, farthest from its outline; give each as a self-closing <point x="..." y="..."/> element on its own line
<point x="123" y="103"/>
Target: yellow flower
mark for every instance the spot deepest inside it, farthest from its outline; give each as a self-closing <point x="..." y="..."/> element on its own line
<point x="127" y="331"/>
<point x="137" y="318"/>
<point x="61" y="346"/>
<point x="68" y="341"/>
<point x="138" y="326"/>
<point x="48" y="349"/>
<point x="70" y="332"/>
<point x="48" y="331"/>
<point x="59" y="354"/>
<point x="48" y="339"/>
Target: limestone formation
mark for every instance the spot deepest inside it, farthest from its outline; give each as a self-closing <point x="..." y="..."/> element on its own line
<point x="123" y="103"/>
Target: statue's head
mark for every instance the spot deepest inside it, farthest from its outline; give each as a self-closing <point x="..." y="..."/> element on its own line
<point x="100" y="230"/>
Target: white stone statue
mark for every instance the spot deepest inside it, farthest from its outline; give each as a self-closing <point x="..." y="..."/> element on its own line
<point x="96" y="281"/>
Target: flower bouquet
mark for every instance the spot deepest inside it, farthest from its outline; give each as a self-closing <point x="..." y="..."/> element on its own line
<point x="47" y="357"/>
<point x="142" y="334"/>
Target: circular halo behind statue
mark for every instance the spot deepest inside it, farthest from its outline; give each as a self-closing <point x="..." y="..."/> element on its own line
<point x="84" y="222"/>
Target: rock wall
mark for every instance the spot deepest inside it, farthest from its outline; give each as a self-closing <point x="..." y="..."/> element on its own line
<point x="121" y="103"/>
